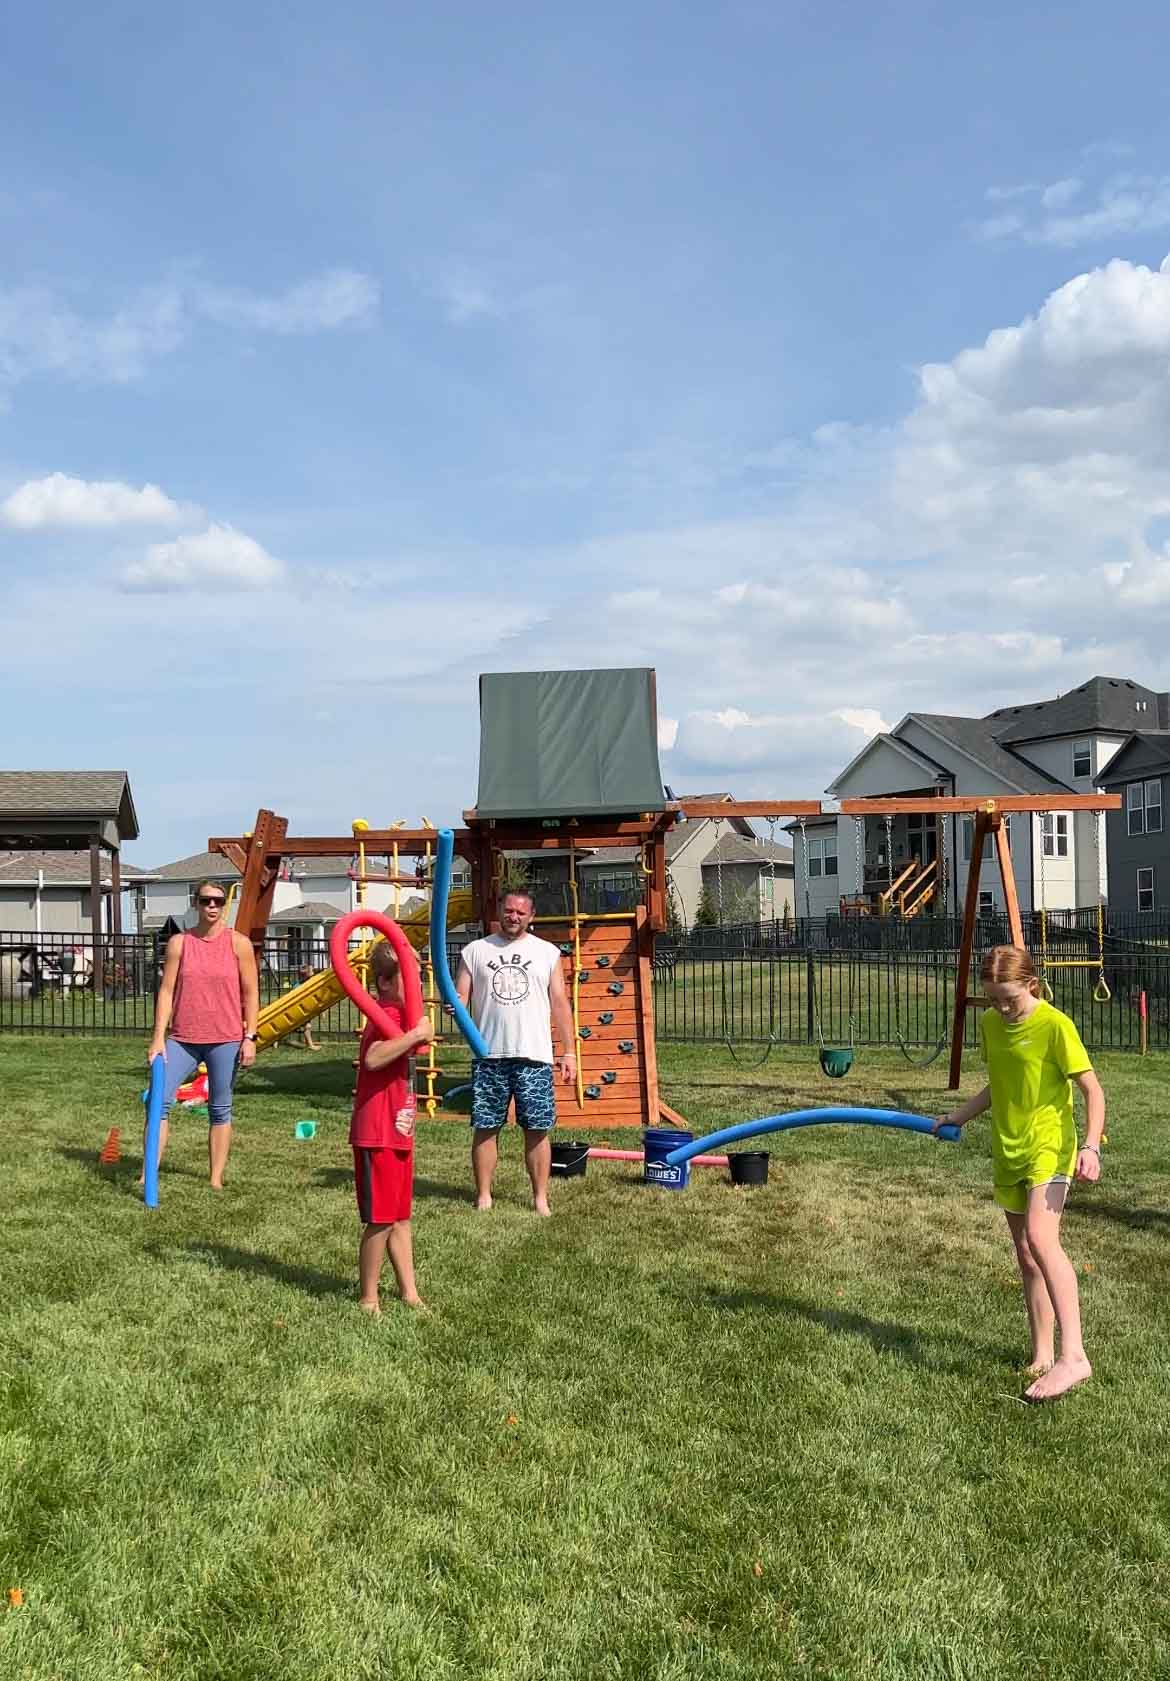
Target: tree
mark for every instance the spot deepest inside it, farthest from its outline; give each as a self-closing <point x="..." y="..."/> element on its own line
<point x="707" y="914"/>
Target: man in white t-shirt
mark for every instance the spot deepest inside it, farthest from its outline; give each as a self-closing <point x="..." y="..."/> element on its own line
<point x="513" y="983"/>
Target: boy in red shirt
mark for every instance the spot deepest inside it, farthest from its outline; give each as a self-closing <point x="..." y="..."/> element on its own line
<point x="382" y="1135"/>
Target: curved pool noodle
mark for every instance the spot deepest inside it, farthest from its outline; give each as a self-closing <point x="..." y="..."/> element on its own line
<point x="412" y="1000"/>
<point x="811" y="1118"/>
<point x="155" y="1093"/>
<point x="440" y="893"/>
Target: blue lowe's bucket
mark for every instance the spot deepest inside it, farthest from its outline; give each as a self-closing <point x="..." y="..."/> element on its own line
<point x="657" y="1143"/>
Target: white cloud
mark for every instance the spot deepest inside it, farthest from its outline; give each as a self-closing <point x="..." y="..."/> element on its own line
<point x="41" y="333"/>
<point x="667" y="733"/>
<point x="59" y="500"/>
<point x="1122" y="204"/>
<point x="220" y="555"/>
<point x="337" y="298"/>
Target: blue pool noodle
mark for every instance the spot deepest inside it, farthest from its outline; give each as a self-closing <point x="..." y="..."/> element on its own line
<point x="440" y="893"/>
<point x="155" y="1093"/>
<point x="810" y="1118"/>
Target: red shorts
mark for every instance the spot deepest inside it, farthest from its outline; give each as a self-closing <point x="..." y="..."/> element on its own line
<point x="383" y="1181"/>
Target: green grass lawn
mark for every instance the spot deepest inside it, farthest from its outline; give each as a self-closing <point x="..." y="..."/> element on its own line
<point x="722" y="1435"/>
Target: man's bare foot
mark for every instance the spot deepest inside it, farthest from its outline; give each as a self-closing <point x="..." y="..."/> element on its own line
<point x="374" y="1308"/>
<point x="482" y="1204"/>
<point x="1063" y="1376"/>
<point x="542" y="1208"/>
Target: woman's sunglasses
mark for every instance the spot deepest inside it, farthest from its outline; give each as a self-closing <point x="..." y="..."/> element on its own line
<point x="212" y="899"/>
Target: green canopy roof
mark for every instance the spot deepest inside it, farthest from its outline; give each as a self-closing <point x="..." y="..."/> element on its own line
<point x="568" y="744"/>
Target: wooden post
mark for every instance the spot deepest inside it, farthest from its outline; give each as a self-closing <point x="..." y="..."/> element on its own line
<point x="260" y="872"/>
<point x="116" y="892"/>
<point x="1007" y="876"/>
<point x="966" y="945"/>
<point x="95" y="910"/>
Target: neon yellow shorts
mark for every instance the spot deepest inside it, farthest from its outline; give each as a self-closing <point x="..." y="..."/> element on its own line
<point x="1047" y="1167"/>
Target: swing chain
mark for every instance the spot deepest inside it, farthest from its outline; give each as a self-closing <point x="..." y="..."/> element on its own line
<point x="1101" y="992"/>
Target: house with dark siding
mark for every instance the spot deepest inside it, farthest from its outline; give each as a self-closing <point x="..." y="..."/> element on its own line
<point x="1138" y="847"/>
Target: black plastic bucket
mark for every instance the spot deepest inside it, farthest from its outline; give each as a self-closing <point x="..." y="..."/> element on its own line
<point x="748" y="1167"/>
<point x="570" y="1158"/>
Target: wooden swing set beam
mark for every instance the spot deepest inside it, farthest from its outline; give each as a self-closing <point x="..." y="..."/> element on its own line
<point x="945" y="804"/>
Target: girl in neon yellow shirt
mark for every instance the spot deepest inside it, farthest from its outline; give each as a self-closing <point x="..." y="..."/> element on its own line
<point x="1034" y="1056"/>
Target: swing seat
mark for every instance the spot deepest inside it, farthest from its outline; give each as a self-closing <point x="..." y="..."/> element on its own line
<point x="836" y="1061"/>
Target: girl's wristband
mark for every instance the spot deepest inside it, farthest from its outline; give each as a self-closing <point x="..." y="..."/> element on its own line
<point x="1096" y="1149"/>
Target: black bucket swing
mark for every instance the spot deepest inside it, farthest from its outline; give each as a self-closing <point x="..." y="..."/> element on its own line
<point x="835" y="1060"/>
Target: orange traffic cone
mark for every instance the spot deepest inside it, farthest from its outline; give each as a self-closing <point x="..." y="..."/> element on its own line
<point x="112" y="1148"/>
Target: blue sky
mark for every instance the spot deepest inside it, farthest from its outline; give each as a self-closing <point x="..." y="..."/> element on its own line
<point x="814" y="355"/>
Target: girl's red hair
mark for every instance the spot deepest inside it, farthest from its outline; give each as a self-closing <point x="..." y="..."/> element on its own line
<point x="1007" y="963"/>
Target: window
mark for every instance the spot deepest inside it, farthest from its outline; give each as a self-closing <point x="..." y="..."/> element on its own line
<point x="988" y="844"/>
<point x="986" y="902"/>
<point x="1143" y="808"/>
<point x="1145" y="890"/>
<point x="1154" y="808"/>
<point x="1082" y="758"/>
<point x="822" y="857"/>
<point x="1054" y="834"/>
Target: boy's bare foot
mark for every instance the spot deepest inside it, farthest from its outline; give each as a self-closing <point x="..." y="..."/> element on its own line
<point x="1062" y="1377"/>
<point x="542" y="1208"/>
<point x="482" y="1204"/>
<point x="374" y="1308"/>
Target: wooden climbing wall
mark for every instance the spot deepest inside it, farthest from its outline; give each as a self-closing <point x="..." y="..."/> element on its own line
<point x="615" y="1006"/>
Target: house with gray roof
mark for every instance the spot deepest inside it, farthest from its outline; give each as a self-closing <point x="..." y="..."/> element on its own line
<point x="61" y="834"/>
<point x="311" y="895"/>
<point x="1044" y="748"/>
<point x="1139" y="836"/>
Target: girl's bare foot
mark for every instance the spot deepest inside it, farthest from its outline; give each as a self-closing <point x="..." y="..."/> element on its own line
<point x="374" y="1308"/>
<point x="1037" y="1368"/>
<point x="416" y="1302"/>
<point x="542" y="1208"/>
<point x="482" y="1204"/>
<point x="1059" y="1379"/>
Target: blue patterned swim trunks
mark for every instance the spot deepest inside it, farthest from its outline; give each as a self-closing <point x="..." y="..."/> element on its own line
<point x="495" y="1081"/>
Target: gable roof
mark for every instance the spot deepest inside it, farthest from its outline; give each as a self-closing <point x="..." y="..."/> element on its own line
<point x="1153" y="746"/>
<point x="1117" y="705"/>
<point x="60" y="869"/>
<point x="75" y="794"/>
<point x="973" y="737"/>
<point x="734" y="849"/>
<point x="893" y="741"/>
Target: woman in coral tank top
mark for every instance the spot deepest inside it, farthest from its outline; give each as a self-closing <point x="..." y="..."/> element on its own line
<point x="209" y="998"/>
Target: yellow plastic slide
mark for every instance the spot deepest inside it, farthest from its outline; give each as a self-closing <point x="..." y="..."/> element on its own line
<point x="292" y="1010"/>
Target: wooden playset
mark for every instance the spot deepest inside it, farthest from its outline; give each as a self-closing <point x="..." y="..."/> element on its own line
<point x="569" y="766"/>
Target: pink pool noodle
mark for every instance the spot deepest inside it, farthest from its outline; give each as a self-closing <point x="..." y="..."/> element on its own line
<point x="636" y="1156"/>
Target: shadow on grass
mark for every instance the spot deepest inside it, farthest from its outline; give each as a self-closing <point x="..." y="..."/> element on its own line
<point x="954" y="1355"/>
<point x="124" y="1171"/>
<point x="253" y="1265"/>
<point x="1092" y="1207"/>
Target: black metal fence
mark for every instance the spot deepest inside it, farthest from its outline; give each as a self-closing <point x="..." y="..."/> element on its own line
<point x="865" y="980"/>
